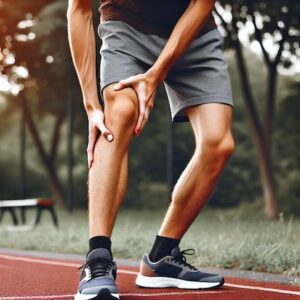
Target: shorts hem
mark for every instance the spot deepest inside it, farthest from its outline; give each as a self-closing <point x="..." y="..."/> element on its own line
<point x="113" y="79"/>
<point x="177" y="117"/>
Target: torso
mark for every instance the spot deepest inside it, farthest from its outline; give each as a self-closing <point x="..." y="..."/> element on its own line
<point x="149" y="16"/>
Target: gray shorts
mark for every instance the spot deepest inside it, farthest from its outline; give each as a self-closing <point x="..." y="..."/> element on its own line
<point x="199" y="76"/>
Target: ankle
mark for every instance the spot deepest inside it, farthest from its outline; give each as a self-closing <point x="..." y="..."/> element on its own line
<point x="162" y="247"/>
<point x="100" y="241"/>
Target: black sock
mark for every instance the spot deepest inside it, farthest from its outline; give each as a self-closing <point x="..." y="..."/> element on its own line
<point x="162" y="247"/>
<point x="100" y="241"/>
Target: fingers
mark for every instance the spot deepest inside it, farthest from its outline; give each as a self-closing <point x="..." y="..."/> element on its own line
<point x="96" y="126"/>
<point x="97" y="120"/>
<point x="145" y="120"/>
<point x="93" y="136"/>
<point x="105" y="132"/>
<point x="145" y="97"/>
<point x="125" y="83"/>
<point x="148" y="107"/>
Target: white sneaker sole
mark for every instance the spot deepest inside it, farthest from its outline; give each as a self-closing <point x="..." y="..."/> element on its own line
<point x="164" y="282"/>
<point x="79" y="296"/>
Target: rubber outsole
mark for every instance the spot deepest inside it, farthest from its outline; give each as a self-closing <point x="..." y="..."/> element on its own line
<point x="104" y="294"/>
<point x="166" y="282"/>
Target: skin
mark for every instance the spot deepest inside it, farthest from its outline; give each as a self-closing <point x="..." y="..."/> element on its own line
<point x="127" y="108"/>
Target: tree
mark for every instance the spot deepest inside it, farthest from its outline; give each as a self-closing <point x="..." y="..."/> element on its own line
<point x="28" y="31"/>
<point x="275" y="21"/>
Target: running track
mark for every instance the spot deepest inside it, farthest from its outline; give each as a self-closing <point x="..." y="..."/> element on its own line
<point x="26" y="277"/>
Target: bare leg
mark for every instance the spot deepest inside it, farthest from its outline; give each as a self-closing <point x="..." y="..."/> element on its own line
<point x="108" y="175"/>
<point x="211" y="125"/>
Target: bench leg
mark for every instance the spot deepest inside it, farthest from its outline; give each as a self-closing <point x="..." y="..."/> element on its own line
<point x="51" y="210"/>
<point x="38" y="215"/>
<point x="23" y="215"/>
<point x="54" y="216"/>
<point x="12" y="213"/>
<point x="14" y="216"/>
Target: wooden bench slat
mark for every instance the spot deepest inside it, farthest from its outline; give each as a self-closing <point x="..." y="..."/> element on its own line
<point x="15" y="203"/>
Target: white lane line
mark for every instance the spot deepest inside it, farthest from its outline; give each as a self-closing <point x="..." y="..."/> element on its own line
<point x="54" y="263"/>
<point x="198" y="292"/>
<point x="122" y="271"/>
<point x="40" y="261"/>
<point x="37" y="297"/>
<point x="122" y="295"/>
<point x="264" y="289"/>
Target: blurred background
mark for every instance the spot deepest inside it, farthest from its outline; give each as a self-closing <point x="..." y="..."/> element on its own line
<point x="43" y="130"/>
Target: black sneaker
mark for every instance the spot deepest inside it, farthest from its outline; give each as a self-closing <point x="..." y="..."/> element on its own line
<point x="174" y="271"/>
<point x="97" y="280"/>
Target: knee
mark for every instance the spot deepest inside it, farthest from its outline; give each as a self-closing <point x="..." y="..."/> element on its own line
<point x="218" y="147"/>
<point x="120" y="110"/>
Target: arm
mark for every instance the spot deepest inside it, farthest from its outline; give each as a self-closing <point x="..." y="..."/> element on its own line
<point x="183" y="34"/>
<point x="181" y="37"/>
<point x="82" y="44"/>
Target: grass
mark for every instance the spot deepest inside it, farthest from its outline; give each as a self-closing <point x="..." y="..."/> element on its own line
<point x="222" y="238"/>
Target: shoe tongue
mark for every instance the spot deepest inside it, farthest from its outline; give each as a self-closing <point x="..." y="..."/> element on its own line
<point x="175" y="252"/>
<point x="99" y="253"/>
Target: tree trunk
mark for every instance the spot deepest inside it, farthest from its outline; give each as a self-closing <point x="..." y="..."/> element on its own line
<point x="268" y="185"/>
<point x="269" y="108"/>
<point x="51" y="173"/>
<point x="267" y="179"/>
<point x="55" y="138"/>
<point x="70" y="152"/>
<point x="22" y="152"/>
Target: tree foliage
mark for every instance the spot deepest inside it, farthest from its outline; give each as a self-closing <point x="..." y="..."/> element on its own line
<point x="45" y="54"/>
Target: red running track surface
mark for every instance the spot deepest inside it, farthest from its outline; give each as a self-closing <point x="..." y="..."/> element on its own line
<point x="38" y="278"/>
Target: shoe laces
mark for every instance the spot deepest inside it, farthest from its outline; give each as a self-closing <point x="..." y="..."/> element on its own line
<point x="181" y="259"/>
<point x="98" y="267"/>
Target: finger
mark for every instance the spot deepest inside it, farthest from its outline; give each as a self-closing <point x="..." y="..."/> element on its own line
<point x="125" y="83"/>
<point x="142" y="113"/>
<point x="93" y="136"/>
<point x="142" y="97"/>
<point x="151" y="106"/>
<point x="105" y="132"/>
<point x="145" y="120"/>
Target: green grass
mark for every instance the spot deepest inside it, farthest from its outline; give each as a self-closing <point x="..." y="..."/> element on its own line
<point x="222" y="238"/>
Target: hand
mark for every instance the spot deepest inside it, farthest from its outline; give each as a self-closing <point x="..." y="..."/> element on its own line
<point x="145" y="85"/>
<point x="96" y="127"/>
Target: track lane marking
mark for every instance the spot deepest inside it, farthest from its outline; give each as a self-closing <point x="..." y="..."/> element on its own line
<point x="264" y="289"/>
<point x="121" y="295"/>
<point x="37" y="297"/>
<point x="122" y="271"/>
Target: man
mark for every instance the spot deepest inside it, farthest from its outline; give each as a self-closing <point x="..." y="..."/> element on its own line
<point x="145" y="43"/>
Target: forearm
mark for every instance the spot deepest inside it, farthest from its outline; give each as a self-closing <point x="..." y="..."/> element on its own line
<point x="183" y="34"/>
<point x="82" y="44"/>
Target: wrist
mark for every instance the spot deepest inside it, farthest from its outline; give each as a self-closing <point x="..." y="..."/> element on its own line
<point x="158" y="74"/>
<point x="91" y="106"/>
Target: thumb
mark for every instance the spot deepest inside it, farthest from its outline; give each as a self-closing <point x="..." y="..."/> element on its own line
<point x="106" y="133"/>
<point x="125" y="83"/>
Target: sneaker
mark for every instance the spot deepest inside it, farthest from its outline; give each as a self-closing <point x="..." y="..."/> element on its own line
<point x="97" y="280"/>
<point x="174" y="271"/>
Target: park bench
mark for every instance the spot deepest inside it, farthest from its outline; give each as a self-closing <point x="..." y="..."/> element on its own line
<point x="40" y="204"/>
